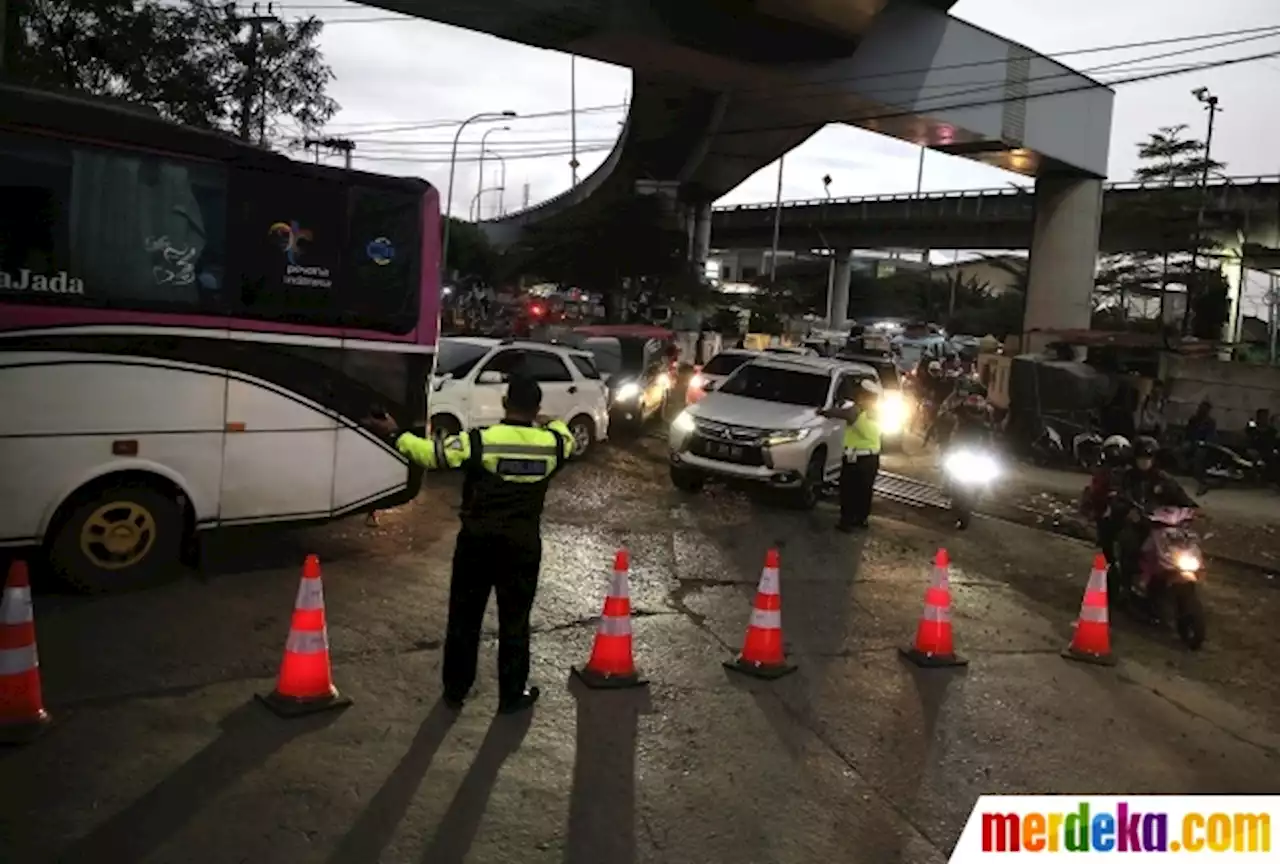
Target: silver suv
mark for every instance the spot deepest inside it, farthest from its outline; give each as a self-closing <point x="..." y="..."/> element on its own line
<point x="762" y="425"/>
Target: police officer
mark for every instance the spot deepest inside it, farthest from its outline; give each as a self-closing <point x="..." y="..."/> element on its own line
<point x="861" y="451"/>
<point x="507" y="470"/>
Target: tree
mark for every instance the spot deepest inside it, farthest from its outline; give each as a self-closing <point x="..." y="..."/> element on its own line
<point x="1170" y="159"/>
<point x="470" y="252"/>
<point x="193" y="62"/>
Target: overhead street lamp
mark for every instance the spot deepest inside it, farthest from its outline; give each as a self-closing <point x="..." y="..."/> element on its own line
<point x="480" y="179"/>
<point x="1210" y="102"/>
<point x="453" y="164"/>
<point x="502" y="183"/>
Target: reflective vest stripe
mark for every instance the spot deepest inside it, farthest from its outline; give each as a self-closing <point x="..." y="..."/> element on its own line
<point x="310" y="595"/>
<point x="519" y="449"/>
<point x="611" y="626"/>
<point x="15" y="661"/>
<point x="16" y="607"/>
<point x="307" y="642"/>
<point x="766" y="619"/>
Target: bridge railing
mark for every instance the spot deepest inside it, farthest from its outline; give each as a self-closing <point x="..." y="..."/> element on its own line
<point x="1001" y="192"/>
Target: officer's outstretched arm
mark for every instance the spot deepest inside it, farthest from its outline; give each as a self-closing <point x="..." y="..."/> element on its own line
<point x="434" y="453"/>
<point x="561" y="427"/>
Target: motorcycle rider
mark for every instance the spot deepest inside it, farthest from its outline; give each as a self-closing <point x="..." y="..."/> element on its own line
<point x="935" y="386"/>
<point x="1143" y="487"/>
<point x="1117" y="454"/>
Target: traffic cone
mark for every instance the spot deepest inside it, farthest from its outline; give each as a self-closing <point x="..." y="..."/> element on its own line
<point x="1092" y="640"/>
<point x="611" y="665"/>
<point x="22" y="714"/>
<point x="762" y="652"/>
<point x="305" y="685"/>
<point x="933" y="647"/>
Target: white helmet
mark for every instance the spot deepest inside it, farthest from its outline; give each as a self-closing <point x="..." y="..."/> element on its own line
<point x="872" y="387"/>
<point x="935" y="366"/>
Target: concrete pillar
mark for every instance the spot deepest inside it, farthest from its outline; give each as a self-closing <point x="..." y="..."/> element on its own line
<point x="701" y="245"/>
<point x="1064" y="257"/>
<point x="838" y="302"/>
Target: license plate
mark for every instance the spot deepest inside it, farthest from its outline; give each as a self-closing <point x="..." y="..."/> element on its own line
<point x="726" y="451"/>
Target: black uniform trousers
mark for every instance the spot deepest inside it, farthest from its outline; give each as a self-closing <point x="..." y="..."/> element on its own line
<point x="857" y="487"/>
<point x="509" y="567"/>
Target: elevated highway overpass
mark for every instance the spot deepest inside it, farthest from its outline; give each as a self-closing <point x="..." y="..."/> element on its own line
<point x="724" y="87"/>
<point x="1136" y="217"/>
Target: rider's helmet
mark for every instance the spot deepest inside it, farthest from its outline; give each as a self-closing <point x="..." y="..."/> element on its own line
<point x="872" y="386"/>
<point x="935" y="368"/>
<point x="1116" y="450"/>
<point x="1145" y="447"/>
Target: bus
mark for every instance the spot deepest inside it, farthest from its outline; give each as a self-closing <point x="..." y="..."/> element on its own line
<point x="192" y="330"/>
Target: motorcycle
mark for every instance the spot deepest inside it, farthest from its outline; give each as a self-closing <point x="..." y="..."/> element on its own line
<point x="1170" y="565"/>
<point x="970" y="472"/>
<point x="1062" y="442"/>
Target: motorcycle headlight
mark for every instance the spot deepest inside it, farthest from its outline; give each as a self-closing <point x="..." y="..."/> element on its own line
<point x="786" y="436"/>
<point x="683" y="423"/>
<point x="697" y="382"/>
<point x="627" y="392"/>
<point x="1187" y="562"/>
<point x="966" y="466"/>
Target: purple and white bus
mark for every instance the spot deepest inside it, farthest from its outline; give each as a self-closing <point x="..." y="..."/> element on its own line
<point x="191" y="330"/>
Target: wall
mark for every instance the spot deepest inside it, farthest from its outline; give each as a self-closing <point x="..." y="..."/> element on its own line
<point x="1236" y="390"/>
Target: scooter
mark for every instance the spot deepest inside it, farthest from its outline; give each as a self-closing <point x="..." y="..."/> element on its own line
<point x="969" y="471"/>
<point x="1170" y="565"/>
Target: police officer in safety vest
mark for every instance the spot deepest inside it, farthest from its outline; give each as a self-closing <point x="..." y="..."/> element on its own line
<point x="861" y="450"/>
<point x="508" y="468"/>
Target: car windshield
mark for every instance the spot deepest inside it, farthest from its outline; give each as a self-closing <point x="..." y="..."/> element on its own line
<point x="771" y="384"/>
<point x="723" y="364"/>
<point x="616" y="355"/>
<point x="457" y="358"/>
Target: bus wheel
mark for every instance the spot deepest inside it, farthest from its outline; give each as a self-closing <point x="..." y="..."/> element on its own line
<point x="119" y="539"/>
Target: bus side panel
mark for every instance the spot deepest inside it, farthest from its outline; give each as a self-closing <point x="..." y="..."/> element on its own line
<point x="366" y="469"/>
<point x="279" y="458"/>
<point x="63" y="412"/>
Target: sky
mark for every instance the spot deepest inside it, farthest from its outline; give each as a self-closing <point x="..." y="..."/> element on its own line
<point x="394" y="72"/>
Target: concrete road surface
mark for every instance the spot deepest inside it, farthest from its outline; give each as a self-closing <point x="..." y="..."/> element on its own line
<point x="159" y="754"/>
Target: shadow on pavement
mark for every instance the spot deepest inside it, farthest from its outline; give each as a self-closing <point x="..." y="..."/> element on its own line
<point x="250" y="735"/>
<point x="457" y="829"/>
<point x="373" y="829"/>
<point x="602" y="803"/>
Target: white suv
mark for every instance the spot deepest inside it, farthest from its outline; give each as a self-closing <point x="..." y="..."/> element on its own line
<point x="470" y="380"/>
<point x="762" y="425"/>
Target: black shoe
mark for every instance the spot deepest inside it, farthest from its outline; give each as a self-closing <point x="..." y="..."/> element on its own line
<point x="523" y="702"/>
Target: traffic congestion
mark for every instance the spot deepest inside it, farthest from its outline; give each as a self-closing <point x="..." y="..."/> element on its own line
<point x="756" y="596"/>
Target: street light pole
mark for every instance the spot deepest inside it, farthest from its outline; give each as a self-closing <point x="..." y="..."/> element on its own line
<point x="453" y="164"/>
<point x="777" y="224"/>
<point x="573" y="117"/>
<point x="480" y="171"/>
<point x="1210" y="102"/>
<point x="474" y="209"/>
<point x="502" y="183"/>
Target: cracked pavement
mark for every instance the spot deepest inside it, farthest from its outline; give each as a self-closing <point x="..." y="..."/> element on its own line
<point x="158" y="753"/>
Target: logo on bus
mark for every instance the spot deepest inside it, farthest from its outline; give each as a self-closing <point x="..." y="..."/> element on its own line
<point x="380" y="251"/>
<point x="25" y="280"/>
<point x="291" y="236"/>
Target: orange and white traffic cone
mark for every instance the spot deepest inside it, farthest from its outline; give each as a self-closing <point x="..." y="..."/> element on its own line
<point x="22" y="714"/>
<point x="1092" y="640"/>
<point x="611" y="665"/>
<point x="933" y="647"/>
<point x="305" y="685"/>
<point x="762" y="654"/>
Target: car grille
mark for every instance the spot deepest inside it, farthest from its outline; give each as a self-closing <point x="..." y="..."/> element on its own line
<point x="740" y="445"/>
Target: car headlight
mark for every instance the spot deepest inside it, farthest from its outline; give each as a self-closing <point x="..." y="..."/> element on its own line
<point x="894" y="413"/>
<point x="1187" y="562"/>
<point x="683" y="423"/>
<point x="627" y="392"/>
<point x="786" y="436"/>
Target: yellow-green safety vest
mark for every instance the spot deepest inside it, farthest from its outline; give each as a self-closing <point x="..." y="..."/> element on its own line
<point x="862" y="434"/>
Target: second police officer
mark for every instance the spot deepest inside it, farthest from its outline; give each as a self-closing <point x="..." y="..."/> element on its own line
<point x="861" y="450"/>
<point x="507" y="468"/>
